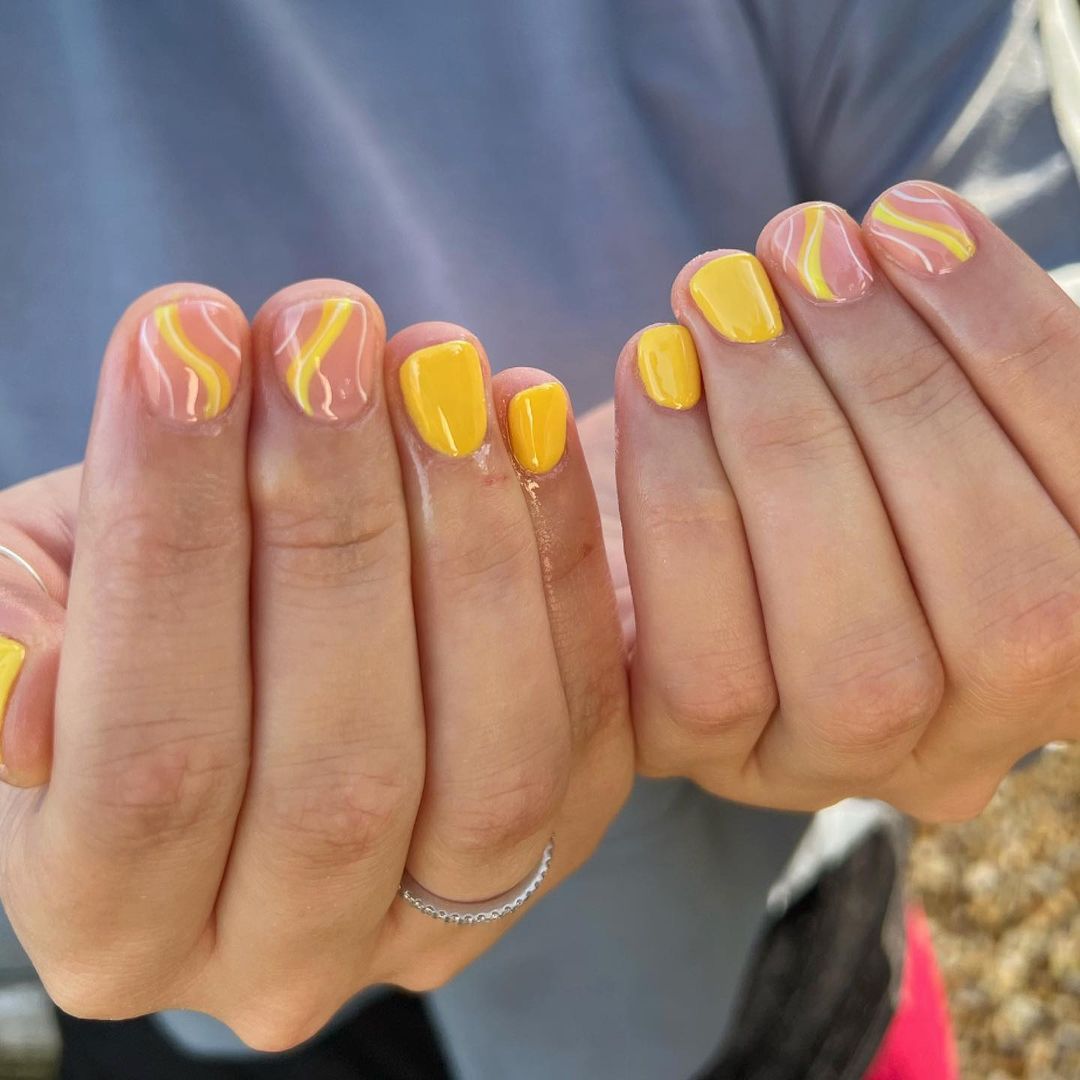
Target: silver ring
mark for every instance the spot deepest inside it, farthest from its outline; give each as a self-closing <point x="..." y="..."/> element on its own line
<point x="16" y="558"/>
<point x="479" y="911"/>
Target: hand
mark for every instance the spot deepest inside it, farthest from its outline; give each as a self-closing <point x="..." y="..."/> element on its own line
<point x="315" y="630"/>
<point x="855" y="564"/>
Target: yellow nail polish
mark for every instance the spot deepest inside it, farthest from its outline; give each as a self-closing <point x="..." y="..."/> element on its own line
<point x="536" y="418"/>
<point x="443" y="387"/>
<point x="734" y="293"/>
<point x="668" y="365"/>
<point x="12" y="654"/>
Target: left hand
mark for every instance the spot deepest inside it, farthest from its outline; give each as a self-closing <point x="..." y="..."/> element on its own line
<point x="855" y="562"/>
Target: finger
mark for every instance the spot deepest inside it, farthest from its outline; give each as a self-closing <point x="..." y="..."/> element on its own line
<point x="153" y="697"/>
<point x="539" y="430"/>
<point x="993" y="561"/>
<point x="337" y="761"/>
<point x="702" y="683"/>
<point x="36" y="534"/>
<point x="498" y="734"/>
<point x="1014" y="332"/>
<point x="855" y="664"/>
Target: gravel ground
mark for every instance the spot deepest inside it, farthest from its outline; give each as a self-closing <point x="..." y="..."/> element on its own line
<point x="1003" y="897"/>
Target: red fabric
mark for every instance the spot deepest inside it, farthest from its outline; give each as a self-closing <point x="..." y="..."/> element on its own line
<point x="919" y="1043"/>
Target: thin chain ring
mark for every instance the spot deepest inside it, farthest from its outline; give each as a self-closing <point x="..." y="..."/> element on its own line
<point x="482" y="911"/>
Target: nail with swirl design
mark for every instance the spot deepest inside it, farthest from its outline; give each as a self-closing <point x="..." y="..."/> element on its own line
<point x="189" y="357"/>
<point x="915" y="226"/>
<point x="320" y="355"/>
<point x="819" y="248"/>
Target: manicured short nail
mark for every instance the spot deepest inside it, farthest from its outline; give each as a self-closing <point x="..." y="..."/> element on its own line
<point x="920" y="230"/>
<point x="443" y="387"/>
<point x="12" y="655"/>
<point x="734" y="293"/>
<point x="536" y="418"/>
<point x="319" y="353"/>
<point x="189" y="355"/>
<point x="820" y="251"/>
<point x="667" y="363"/>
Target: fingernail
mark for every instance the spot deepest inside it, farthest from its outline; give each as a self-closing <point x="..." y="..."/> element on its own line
<point x="443" y="387"/>
<point x="12" y="655"/>
<point x="734" y="293"/>
<point x="920" y="230"/>
<point x="820" y="251"/>
<point x="189" y="355"/>
<point x="668" y="365"/>
<point x="319" y="354"/>
<point x="536" y="418"/>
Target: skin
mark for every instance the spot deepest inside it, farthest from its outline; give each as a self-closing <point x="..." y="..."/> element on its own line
<point x="851" y="569"/>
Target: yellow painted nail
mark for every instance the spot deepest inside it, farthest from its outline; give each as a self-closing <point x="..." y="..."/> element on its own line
<point x="443" y="387"/>
<point x="668" y="365"/>
<point x="12" y="655"/>
<point x="536" y="418"/>
<point x="734" y="293"/>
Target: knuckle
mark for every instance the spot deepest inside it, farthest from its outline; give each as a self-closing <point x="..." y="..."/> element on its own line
<point x="275" y="1030"/>
<point x="147" y="541"/>
<point x="432" y="972"/>
<point x="710" y="696"/>
<point x="796" y="438"/>
<point x="332" y="817"/>
<point x="1033" y="648"/>
<point x="1055" y="333"/>
<point x="165" y="786"/>
<point x="913" y="383"/>
<point x="485" y="561"/>
<point x="878" y="707"/>
<point x="362" y="540"/>
<point x="505" y="817"/>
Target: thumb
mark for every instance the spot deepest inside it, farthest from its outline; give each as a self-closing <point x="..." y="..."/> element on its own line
<point x="37" y="529"/>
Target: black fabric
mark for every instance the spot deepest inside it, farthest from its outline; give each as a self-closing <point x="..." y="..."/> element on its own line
<point x="389" y="1040"/>
<point x="821" y="985"/>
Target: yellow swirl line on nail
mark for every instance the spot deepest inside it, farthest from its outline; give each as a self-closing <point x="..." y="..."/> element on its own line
<point x="810" y="254"/>
<point x="949" y="236"/>
<point x="333" y="320"/>
<point x="209" y="372"/>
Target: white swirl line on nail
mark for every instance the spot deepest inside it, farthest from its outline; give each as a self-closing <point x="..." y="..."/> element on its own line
<point x="851" y="251"/>
<point x="192" y="391"/>
<point x="230" y="345"/>
<point x="362" y="341"/>
<point x="904" y="243"/>
<point x="163" y="377"/>
<point x="290" y="337"/>
<point x="936" y="200"/>
<point x="328" y="395"/>
<point x="790" y="238"/>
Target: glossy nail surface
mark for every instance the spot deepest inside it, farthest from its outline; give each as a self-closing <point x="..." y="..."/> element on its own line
<point x="443" y="388"/>
<point x="189" y="356"/>
<point x="321" y="359"/>
<point x="536" y="419"/>
<point x="916" y="226"/>
<point x="734" y="293"/>
<point x="819" y="249"/>
<point x="668" y="365"/>
<point x="12" y="655"/>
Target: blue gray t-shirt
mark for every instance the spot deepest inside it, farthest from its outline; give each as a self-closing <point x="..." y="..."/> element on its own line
<point x="537" y="171"/>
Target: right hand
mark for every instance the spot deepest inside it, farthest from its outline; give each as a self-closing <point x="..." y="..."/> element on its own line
<point x="295" y="655"/>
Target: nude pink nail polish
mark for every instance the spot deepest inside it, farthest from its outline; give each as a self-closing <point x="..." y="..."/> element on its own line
<point x="189" y="357"/>
<point x="819" y="249"/>
<point x="916" y="227"/>
<point x="322" y="357"/>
